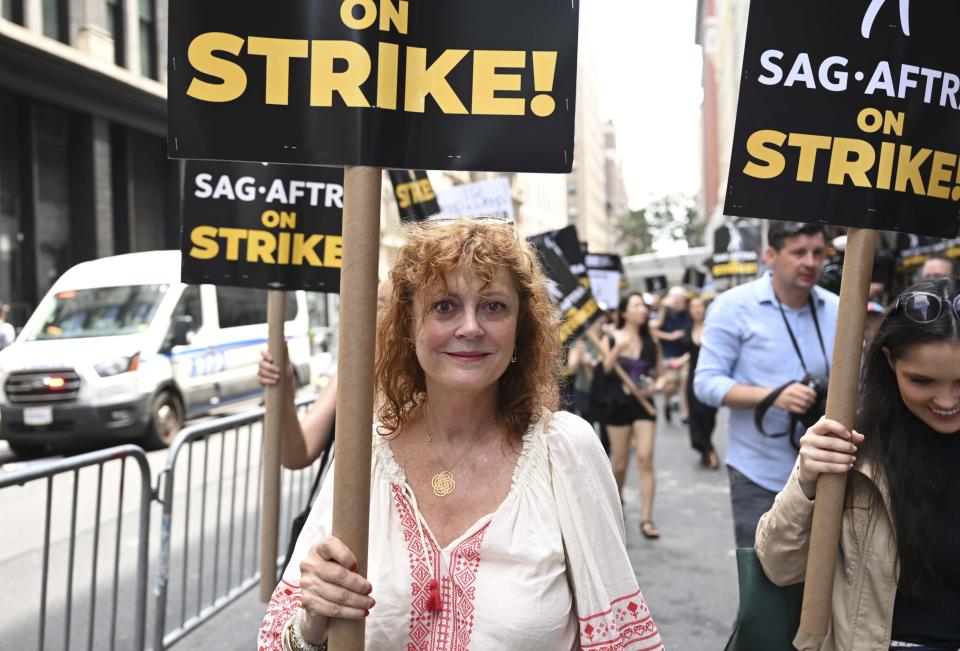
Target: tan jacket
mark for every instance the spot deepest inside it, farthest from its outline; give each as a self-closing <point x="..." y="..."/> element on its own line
<point x="865" y="584"/>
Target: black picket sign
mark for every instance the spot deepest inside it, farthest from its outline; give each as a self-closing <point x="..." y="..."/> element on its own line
<point x="605" y="271"/>
<point x="694" y="278"/>
<point x="263" y="226"/>
<point x="575" y="302"/>
<point x="570" y="248"/>
<point x="402" y="84"/>
<point x="736" y="250"/>
<point x="655" y="284"/>
<point x="848" y="115"/>
<point x="414" y="194"/>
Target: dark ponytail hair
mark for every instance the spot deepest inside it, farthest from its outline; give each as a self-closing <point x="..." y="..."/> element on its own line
<point x="649" y="352"/>
<point x="908" y="455"/>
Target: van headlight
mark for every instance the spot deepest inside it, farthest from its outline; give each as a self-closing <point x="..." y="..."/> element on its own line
<point x="118" y="365"/>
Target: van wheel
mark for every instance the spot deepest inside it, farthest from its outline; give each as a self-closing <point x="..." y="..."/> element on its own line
<point x="166" y="419"/>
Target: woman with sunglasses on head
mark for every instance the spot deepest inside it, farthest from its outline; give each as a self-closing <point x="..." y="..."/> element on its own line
<point x="494" y="521"/>
<point x="898" y="573"/>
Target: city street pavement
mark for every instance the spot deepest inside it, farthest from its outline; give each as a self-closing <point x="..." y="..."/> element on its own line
<point x="688" y="577"/>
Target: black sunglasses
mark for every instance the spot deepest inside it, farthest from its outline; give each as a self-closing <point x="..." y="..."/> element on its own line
<point x="924" y="307"/>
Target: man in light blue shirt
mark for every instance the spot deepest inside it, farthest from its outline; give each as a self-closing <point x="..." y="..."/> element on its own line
<point x="747" y="352"/>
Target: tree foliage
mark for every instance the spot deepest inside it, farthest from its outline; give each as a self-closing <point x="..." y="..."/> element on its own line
<point x="671" y="218"/>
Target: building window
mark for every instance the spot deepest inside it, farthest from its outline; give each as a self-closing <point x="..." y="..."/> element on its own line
<point x="148" y="38"/>
<point x="52" y="219"/>
<point x="55" y="21"/>
<point x="12" y="10"/>
<point x="12" y="288"/>
<point x="115" y="27"/>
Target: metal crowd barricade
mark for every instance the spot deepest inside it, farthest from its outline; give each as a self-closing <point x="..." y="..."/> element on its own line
<point x="78" y="539"/>
<point x="209" y="539"/>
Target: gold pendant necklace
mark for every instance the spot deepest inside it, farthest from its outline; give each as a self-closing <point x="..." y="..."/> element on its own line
<point x="443" y="483"/>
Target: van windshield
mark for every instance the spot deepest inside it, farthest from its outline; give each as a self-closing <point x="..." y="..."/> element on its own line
<point x="96" y="312"/>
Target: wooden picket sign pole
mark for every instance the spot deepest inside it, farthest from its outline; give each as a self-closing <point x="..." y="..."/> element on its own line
<point x="841" y="405"/>
<point x="358" y="316"/>
<point x="270" y="448"/>
<point x="625" y="377"/>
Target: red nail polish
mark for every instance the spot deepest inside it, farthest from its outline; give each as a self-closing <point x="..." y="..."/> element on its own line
<point x="353" y="568"/>
<point x="374" y="602"/>
<point x="366" y="613"/>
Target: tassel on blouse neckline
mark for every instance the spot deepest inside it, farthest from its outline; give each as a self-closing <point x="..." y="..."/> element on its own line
<point x="434" y="605"/>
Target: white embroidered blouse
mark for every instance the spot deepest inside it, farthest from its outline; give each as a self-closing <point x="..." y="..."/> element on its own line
<point x="506" y="582"/>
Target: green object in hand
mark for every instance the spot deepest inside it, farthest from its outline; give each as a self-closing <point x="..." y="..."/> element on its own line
<point x="769" y="614"/>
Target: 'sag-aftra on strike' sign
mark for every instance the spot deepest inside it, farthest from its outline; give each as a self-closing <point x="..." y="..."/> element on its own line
<point x="408" y="84"/>
<point x="575" y="302"/>
<point x="263" y="226"/>
<point x="414" y="193"/>
<point x="848" y="115"/>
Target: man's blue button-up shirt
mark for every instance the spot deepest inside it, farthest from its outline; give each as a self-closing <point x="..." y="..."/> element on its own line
<point x="745" y="341"/>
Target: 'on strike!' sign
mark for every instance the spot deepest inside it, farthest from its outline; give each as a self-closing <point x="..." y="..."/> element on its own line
<point x="849" y="114"/>
<point x="406" y="84"/>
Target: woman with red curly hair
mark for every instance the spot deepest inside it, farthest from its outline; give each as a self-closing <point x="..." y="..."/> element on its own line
<point x="495" y="523"/>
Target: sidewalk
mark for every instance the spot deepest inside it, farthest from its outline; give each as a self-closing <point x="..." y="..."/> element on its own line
<point x="688" y="577"/>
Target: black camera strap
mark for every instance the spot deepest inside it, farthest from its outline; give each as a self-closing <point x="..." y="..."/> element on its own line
<point x="793" y="338"/>
<point x="765" y="404"/>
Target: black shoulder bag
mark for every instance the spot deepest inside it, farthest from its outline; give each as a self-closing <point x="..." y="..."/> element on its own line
<point x="818" y="384"/>
<point x="296" y="526"/>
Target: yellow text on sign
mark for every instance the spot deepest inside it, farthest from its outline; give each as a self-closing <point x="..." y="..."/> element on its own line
<point x="265" y="247"/>
<point x="575" y="318"/>
<point x="342" y="67"/>
<point x="891" y="166"/>
<point x="414" y="192"/>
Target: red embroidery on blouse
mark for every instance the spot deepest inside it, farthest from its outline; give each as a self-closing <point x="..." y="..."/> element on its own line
<point x="626" y="625"/>
<point x="283" y="605"/>
<point x="451" y="628"/>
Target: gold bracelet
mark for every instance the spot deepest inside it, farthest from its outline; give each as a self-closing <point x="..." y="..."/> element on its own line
<point x="289" y="643"/>
<point x="298" y="639"/>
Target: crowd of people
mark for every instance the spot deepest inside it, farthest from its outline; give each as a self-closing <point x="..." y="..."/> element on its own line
<point x="497" y="481"/>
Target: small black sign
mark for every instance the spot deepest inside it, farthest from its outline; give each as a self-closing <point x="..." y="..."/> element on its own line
<point x="655" y="284"/>
<point x="414" y="194"/>
<point x="576" y="304"/>
<point x="264" y="226"/>
<point x="401" y="84"/>
<point x="605" y="271"/>
<point x="915" y="251"/>
<point x="848" y="115"/>
<point x="736" y="247"/>
<point x="570" y="248"/>
<point x="694" y="278"/>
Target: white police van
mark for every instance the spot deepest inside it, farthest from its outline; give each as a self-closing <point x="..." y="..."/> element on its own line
<point x="119" y="349"/>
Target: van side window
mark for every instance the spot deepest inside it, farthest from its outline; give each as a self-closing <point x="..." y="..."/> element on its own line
<point x="189" y="305"/>
<point x="317" y="310"/>
<point x="240" y="306"/>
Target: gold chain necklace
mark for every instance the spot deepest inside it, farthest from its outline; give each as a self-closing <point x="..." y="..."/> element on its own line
<point x="443" y="483"/>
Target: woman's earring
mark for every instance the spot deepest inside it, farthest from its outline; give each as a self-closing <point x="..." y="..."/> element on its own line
<point x="513" y="360"/>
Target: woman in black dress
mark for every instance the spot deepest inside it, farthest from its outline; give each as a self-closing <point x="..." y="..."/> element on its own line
<point x="634" y="349"/>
